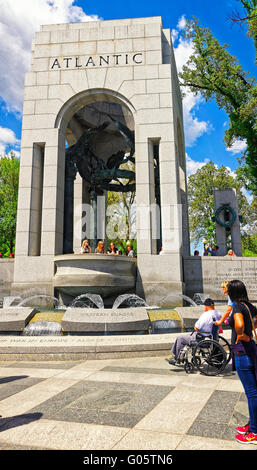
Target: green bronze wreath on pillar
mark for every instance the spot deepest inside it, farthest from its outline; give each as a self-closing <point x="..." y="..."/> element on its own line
<point x="229" y="222"/>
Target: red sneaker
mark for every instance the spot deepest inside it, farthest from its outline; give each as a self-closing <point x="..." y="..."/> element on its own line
<point x="243" y="429"/>
<point x="248" y="438"/>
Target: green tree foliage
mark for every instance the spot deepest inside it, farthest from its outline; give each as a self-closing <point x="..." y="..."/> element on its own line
<point x="249" y="235"/>
<point x="251" y="219"/>
<point x="201" y="200"/>
<point x="9" y="179"/>
<point x="250" y="7"/>
<point x="121" y="215"/>
<point x="120" y="218"/>
<point x="249" y="245"/>
<point x="216" y="74"/>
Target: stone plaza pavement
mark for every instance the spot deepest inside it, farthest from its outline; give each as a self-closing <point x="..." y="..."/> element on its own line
<point x="118" y="404"/>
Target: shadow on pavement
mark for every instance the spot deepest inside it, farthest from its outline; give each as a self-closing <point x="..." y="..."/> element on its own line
<point x="19" y="420"/>
<point x="4" y="380"/>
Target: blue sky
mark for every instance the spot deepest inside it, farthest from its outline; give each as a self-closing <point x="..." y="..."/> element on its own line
<point x="204" y="123"/>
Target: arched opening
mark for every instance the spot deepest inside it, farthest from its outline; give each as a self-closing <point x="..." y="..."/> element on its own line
<point x="97" y="130"/>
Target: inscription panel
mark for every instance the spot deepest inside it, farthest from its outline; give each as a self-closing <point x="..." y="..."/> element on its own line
<point x="206" y="275"/>
<point x="106" y="60"/>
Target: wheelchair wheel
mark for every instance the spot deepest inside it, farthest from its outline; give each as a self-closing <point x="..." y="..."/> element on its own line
<point x="225" y="344"/>
<point x="196" y="361"/>
<point x="189" y="368"/>
<point x="209" y="357"/>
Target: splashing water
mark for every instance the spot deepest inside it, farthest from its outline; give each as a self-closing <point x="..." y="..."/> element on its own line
<point x="199" y="298"/>
<point x="174" y="300"/>
<point x="7" y="301"/>
<point x="166" y="326"/>
<point x="42" y="328"/>
<point x="188" y="299"/>
<point x="87" y="301"/>
<point x="41" y="296"/>
<point x="132" y="300"/>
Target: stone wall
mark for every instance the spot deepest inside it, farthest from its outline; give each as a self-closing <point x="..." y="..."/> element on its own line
<point x="6" y="276"/>
<point x="205" y="274"/>
<point x="201" y="274"/>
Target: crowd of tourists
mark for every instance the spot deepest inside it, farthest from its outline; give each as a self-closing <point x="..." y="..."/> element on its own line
<point x="213" y="250"/>
<point x="112" y="250"/>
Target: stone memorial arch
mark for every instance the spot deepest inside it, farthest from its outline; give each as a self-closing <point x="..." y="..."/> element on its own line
<point x="84" y="75"/>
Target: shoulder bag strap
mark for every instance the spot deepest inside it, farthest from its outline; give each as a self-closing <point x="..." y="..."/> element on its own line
<point x="253" y="327"/>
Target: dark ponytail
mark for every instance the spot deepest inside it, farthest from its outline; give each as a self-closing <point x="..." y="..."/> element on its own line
<point x="237" y="291"/>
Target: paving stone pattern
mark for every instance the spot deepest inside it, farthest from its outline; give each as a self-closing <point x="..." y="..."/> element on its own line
<point x="16" y="383"/>
<point x="104" y="403"/>
<point x="219" y="417"/>
<point x="137" y="403"/>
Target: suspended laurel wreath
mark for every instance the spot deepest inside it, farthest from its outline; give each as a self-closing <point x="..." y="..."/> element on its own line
<point x="227" y="223"/>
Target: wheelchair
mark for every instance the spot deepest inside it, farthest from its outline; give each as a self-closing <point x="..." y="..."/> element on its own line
<point x="208" y="355"/>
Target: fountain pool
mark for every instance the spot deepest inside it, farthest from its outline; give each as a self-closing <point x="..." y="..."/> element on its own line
<point x="48" y="320"/>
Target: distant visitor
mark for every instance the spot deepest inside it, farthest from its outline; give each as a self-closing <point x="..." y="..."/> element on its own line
<point x="85" y="247"/>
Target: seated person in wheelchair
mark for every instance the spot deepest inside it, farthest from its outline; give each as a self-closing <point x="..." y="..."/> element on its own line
<point x="202" y="329"/>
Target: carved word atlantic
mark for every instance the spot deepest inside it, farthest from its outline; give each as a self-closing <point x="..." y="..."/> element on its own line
<point x="97" y="61"/>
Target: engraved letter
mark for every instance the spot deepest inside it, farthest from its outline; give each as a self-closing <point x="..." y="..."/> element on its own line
<point x="77" y="63"/>
<point x="67" y="61"/>
<point x="105" y="60"/>
<point x="117" y="58"/>
<point x="56" y="63"/>
<point x="134" y="58"/>
<point x="90" y="61"/>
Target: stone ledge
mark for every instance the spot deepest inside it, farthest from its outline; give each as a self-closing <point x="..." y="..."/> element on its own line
<point x="83" y="347"/>
<point x="86" y="347"/>
<point x="101" y="320"/>
<point x="95" y="347"/>
<point x="15" y="319"/>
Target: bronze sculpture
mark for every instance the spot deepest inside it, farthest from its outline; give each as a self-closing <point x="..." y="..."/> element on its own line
<point x="99" y="174"/>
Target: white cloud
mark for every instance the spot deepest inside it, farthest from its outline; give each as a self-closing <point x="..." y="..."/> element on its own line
<point x="174" y="35"/>
<point x="18" y="22"/>
<point x="182" y="22"/>
<point x="231" y="172"/>
<point x="246" y="193"/>
<point x="183" y="51"/>
<point x="248" y="196"/>
<point x="7" y="140"/>
<point x="238" y="147"/>
<point x="192" y="165"/>
<point x="193" y="127"/>
<point x="7" y="136"/>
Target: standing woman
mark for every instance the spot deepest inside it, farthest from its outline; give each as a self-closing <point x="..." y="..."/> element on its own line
<point x="244" y="354"/>
<point x="230" y="306"/>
